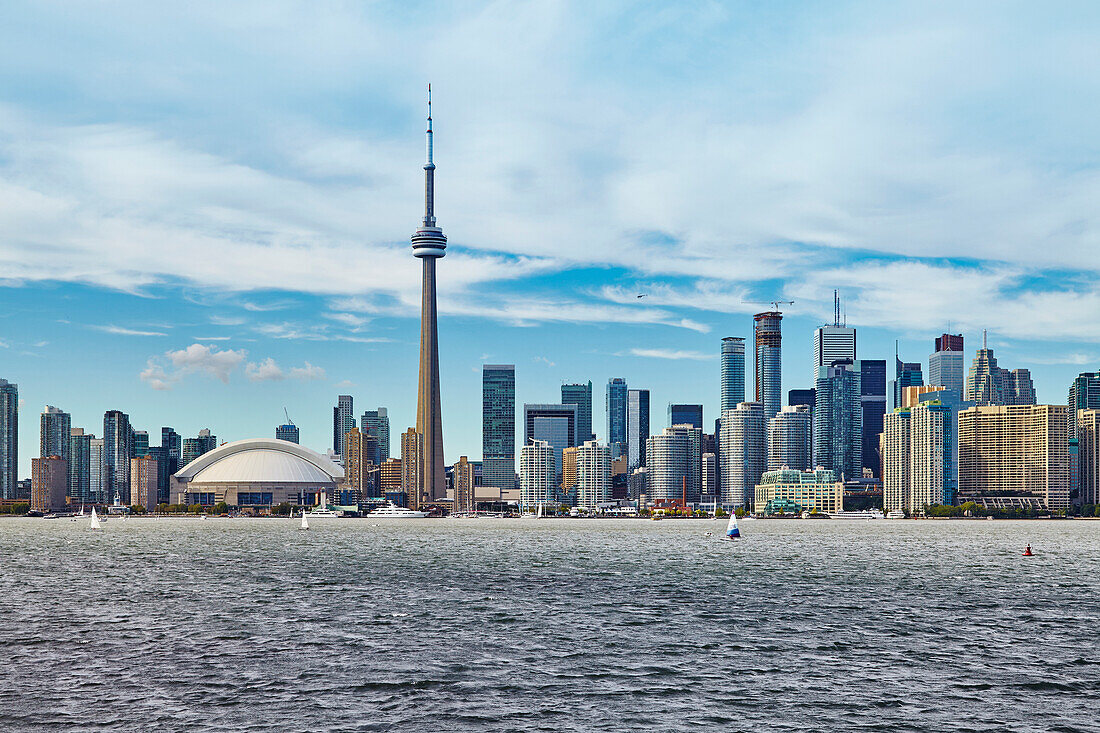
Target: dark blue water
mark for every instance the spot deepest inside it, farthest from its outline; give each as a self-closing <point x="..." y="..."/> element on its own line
<point x="554" y="625"/>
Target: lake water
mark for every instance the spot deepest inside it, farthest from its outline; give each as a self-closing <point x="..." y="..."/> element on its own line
<point x="553" y="625"/>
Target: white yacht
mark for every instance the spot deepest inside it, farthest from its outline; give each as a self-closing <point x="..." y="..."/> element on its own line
<point x="870" y="514"/>
<point x="323" y="511"/>
<point x="896" y="514"/>
<point x="392" y="511"/>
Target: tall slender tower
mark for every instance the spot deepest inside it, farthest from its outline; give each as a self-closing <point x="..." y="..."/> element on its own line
<point x="428" y="244"/>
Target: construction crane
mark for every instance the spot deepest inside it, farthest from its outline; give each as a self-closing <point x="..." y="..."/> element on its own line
<point x="773" y="303"/>
<point x="288" y="420"/>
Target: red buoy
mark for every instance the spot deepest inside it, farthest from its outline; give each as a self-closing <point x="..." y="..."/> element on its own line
<point x="1027" y="551"/>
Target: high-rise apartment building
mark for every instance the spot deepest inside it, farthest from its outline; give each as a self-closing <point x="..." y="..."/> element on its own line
<point x="742" y="452"/>
<point x="343" y="420"/>
<point x="9" y="439"/>
<point x="192" y="448"/>
<point x="945" y="364"/>
<point x="537" y="475"/>
<point x="377" y="423"/>
<point x="581" y="396"/>
<point x="569" y="472"/>
<point x="914" y="395"/>
<point x="170" y="440"/>
<point x="97" y="471"/>
<point x="288" y="432"/>
<point x="498" y="426"/>
<point x="412" y="464"/>
<point x="838" y="420"/>
<point x="390" y="476"/>
<point x="118" y="449"/>
<point x="873" y="404"/>
<point x="144" y="482"/>
<point x="141" y="443"/>
<point x="1084" y="394"/>
<point x="637" y="426"/>
<point x="709" y="494"/>
<point x="49" y="483"/>
<point x="1088" y="456"/>
<point x="668" y="458"/>
<point x="465" y="500"/>
<point x="917" y="457"/>
<point x="616" y="417"/>
<point x="896" y="459"/>
<point x="789" y="439"/>
<point x="593" y="475"/>
<point x="768" y="373"/>
<point x="360" y="458"/>
<point x="733" y="373"/>
<point x="1015" y="455"/>
<point x="55" y="434"/>
<point x="80" y="457"/>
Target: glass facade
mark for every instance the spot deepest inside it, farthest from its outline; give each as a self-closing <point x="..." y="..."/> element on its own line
<point x="118" y="448"/>
<point x="733" y="372"/>
<point x="9" y="439"/>
<point x="377" y="423"/>
<point x="498" y="425"/>
<point x="287" y="432"/>
<point x="581" y="396"/>
<point x="873" y="403"/>
<point x="616" y="416"/>
<point x="637" y="426"/>
<point x="768" y="374"/>
<point x="838" y="420"/>
<point x="685" y="415"/>
<point x="343" y="420"/>
<point x="742" y="453"/>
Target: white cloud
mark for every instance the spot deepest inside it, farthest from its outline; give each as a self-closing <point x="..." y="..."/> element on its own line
<point x="674" y="354"/>
<point x="307" y="372"/>
<point x="164" y="371"/>
<point x="210" y="338"/>
<point x="121" y="331"/>
<point x="266" y="370"/>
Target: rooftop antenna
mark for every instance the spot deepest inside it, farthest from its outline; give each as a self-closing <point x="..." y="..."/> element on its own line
<point x="984" y="346"/>
<point x="836" y="308"/>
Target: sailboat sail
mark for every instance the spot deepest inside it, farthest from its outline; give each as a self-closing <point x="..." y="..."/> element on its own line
<point x="305" y="524"/>
<point x="95" y="521"/>
<point x="732" y="532"/>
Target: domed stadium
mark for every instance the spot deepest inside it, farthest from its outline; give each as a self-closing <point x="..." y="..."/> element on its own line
<point x="258" y="473"/>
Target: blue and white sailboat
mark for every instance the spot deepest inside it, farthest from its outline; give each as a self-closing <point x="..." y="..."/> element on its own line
<point x="732" y="532"/>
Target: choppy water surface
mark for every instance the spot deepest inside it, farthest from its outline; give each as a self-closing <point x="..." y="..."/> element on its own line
<point x="556" y="625"/>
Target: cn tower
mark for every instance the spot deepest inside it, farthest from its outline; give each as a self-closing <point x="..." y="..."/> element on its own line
<point x="428" y="244"/>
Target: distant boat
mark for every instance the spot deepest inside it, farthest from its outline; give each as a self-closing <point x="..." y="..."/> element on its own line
<point x="392" y="511"/>
<point x="870" y="514"/>
<point x="96" y="524"/>
<point x="538" y="515"/>
<point x="305" y="524"/>
<point x="732" y="532"/>
<point x="896" y="514"/>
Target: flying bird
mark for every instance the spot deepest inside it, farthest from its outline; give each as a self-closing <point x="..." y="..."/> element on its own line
<point x="642" y="295"/>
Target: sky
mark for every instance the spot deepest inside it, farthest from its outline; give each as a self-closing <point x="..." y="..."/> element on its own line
<point x="205" y="207"/>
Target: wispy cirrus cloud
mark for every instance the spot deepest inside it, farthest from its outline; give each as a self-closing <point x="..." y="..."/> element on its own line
<point x="123" y="331"/>
<point x="672" y="354"/>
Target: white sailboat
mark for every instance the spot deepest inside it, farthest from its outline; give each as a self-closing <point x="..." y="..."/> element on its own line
<point x="538" y="515"/>
<point x="95" y="521"/>
<point x="732" y="532"/>
<point x="305" y="523"/>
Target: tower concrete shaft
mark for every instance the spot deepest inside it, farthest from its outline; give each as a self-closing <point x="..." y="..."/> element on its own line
<point x="428" y="244"/>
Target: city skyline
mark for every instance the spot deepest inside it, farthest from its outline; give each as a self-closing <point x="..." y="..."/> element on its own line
<point x="281" y="275"/>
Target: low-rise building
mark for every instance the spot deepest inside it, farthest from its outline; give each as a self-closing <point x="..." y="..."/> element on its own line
<point x="813" y="491"/>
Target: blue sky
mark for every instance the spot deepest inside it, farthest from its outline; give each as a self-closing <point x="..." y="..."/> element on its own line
<point x="205" y="210"/>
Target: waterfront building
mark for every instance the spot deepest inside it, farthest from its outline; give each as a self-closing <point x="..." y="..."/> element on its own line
<point x="118" y="447"/>
<point x="581" y="396"/>
<point x="872" y="397"/>
<point x="360" y="459"/>
<point x="377" y="423"/>
<point x="1088" y="456"/>
<point x="569" y="471"/>
<point x="1014" y="455"/>
<point x="593" y="475"/>
<point x="812" y="491"/>
<point x="768" y="373"/>
<point x="343" y="420"/>
<point x="667" y="467"/>
<point x="55" y="433"/>
<point x="1019" y="388"/>
<point x="9" y="439"/>
<point x="465" y="500"/>
<point x="555" y="431"/>
<point x="412" y="464"/>
<point x="144" y="478"/>
<point x="896" y="441"/>
<point x="945" y="364"/>
<point x="498" y="425"/>
<point x="257" y="474"/>
<point x="955" y="404"/>
<point x="49" y="483"/>
<point x="918" y="456"/>
<point x="537" y="474"/>
<point x="789" y="439"/>
<point x="616" y="417"/>
<point x="288" y="432"/>
<point x="80" y="479"/>
<point x="637" y="426"/>
<point x="709" y="494"/>
<point x="733" y="373"/>
<point x="390" y="476"/>
<point x="636" y="485"/>
<point x="693" y="486"/>
<point x="1084" y="394"/>
<point x="97" y="471"/>
<point x="743" y="455"/>
<point x="685" y="415"/>
<point x="838" y="420"/>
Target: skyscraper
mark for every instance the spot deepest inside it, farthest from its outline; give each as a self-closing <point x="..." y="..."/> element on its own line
<point x="896" y="442"/>
<point x="637" y="427"/>
<point x="141" y="444"/>
<point x="288" y="432"/>
<point x="873" y="403"/>
<point x="985" y="384"/>
<point x="916" y="457"/>
<point x="768" y="375"/>
<point x="685" y="415"/>
<point x="537" y="474"/>
<point x="429" y="245"/>
<point x="80" y="456"/>
<point x="55" y="434"/>
<point x="668" y="459"/>
<point x="742" y="452"/>
<point x="1088" y="436"/>
<point x="568" y="413"/>
<point x="118" y="449"/>
<point x="343" y="420"/>
<point x="144" y="476"/>
<point x="838" y="420"/>
<point x="733" y="373"/>
<point x="1084" y="394"/>
<point x="581" y="396"/>
<point x="498" y="426"/>
<point x="906" y="374"/>
<point x="171" y="442"/>
<point x="1019" y="388"/>
<point x="9" y="439"/>
<point x="412" y="464"/>
<point x="97" y="471"/>
<point x="377" y="423"/>
<point x="616" y="417"/>
<point x="593" y="475"/>
<point x="49" y="483"/>
<point x="945" y="365"/>
<point x="465" y="501"/>
<point x="789" y="439"/>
